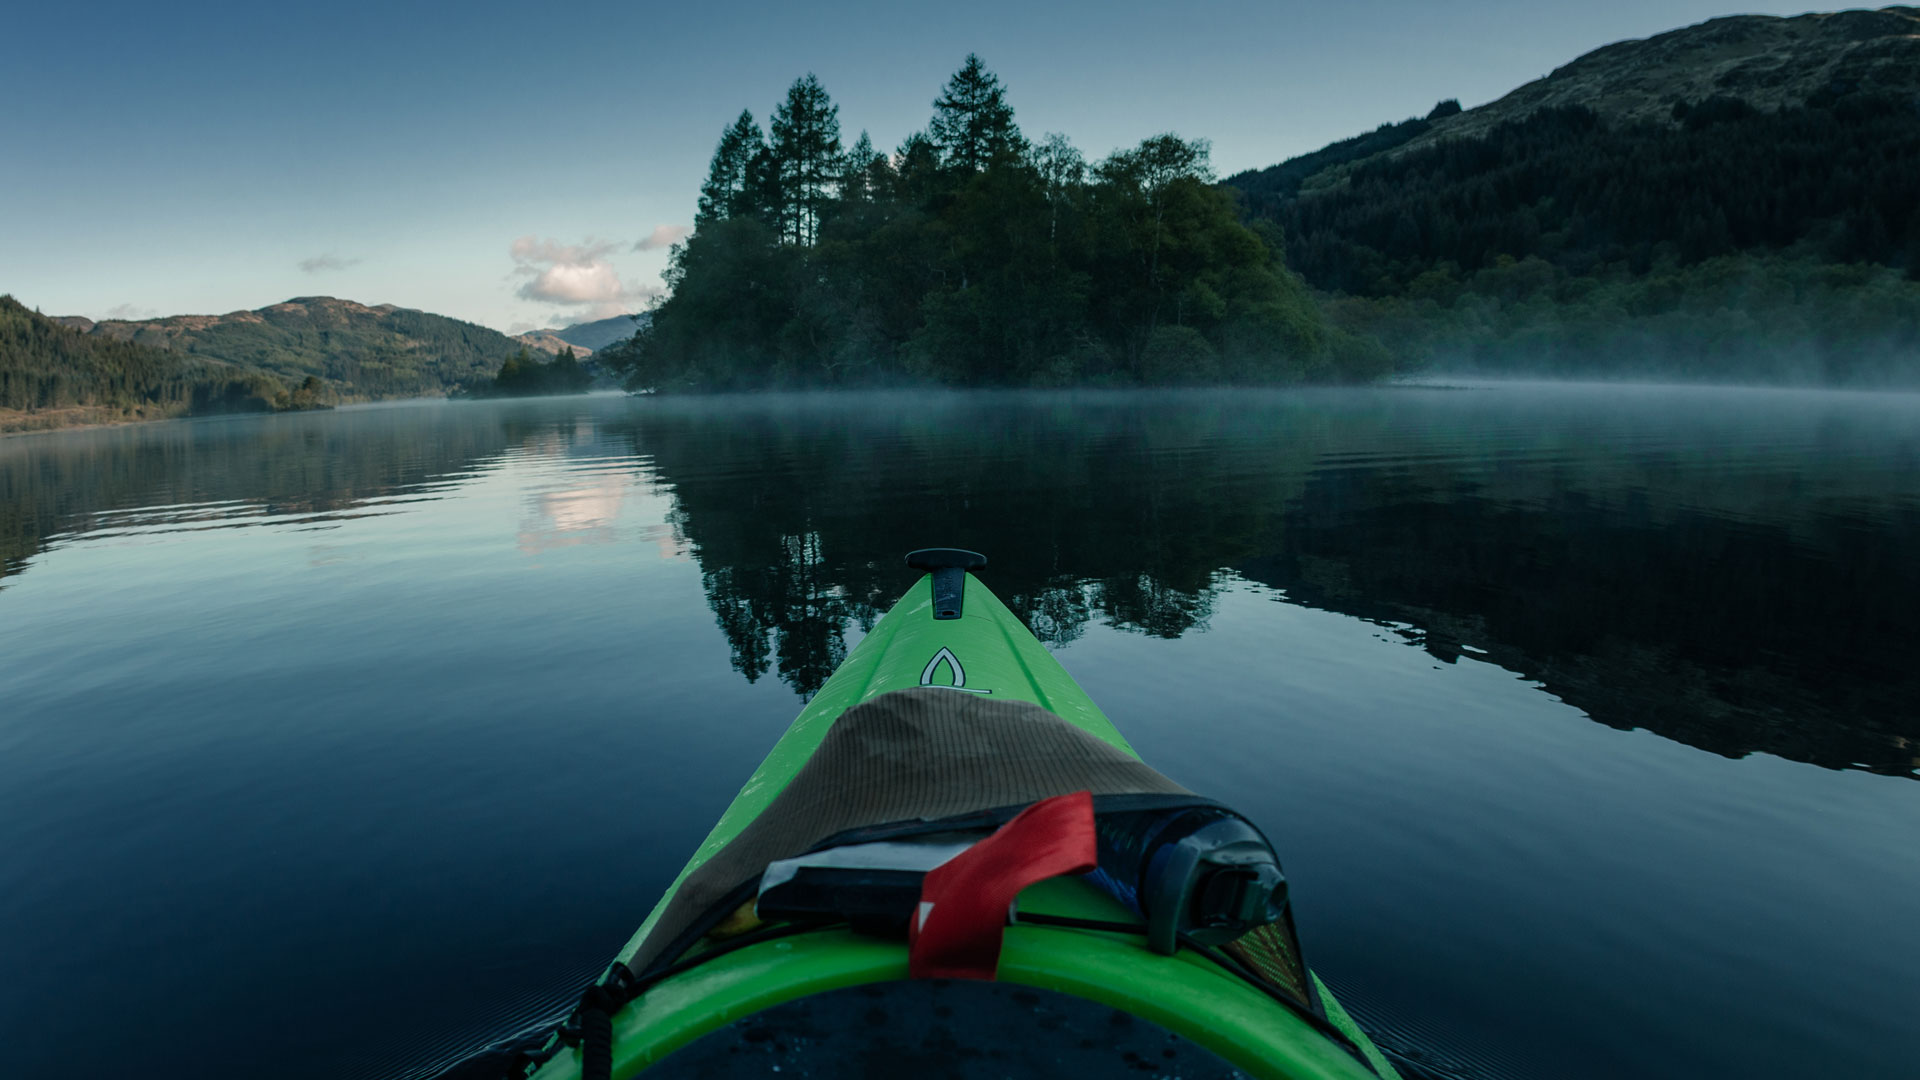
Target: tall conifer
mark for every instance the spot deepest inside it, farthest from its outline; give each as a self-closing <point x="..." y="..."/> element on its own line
<point x="806" y="156"/>
<point x="728" y="187"/>
<point x="972" y="122"/>
<point x="862" y="170"/>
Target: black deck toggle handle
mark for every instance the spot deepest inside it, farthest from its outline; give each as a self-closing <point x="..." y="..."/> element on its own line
<point x="942" y="558"/>
<point x="949" y="567"/>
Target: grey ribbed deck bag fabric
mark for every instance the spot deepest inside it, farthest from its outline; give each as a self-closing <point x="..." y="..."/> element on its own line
<point x="924" y="753"/>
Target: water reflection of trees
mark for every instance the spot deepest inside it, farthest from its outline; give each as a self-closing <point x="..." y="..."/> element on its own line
<point x="1721" y="609"/>
<point x="188" y="473"/>
<point x="1737" y="610"/>
<point x="1730" y="633"/>
<point x="799" y="517"/>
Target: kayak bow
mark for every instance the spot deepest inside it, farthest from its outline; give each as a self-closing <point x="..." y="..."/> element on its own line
<point x="699" y="962"/>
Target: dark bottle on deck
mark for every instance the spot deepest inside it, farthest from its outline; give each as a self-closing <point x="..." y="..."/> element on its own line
<point x="1202" y="873"/>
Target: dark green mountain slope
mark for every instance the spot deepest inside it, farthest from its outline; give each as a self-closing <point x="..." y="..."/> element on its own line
<point x="1272" y="187"/>
<point x="1602" y="220"/>
<point x="1836" y="180"/>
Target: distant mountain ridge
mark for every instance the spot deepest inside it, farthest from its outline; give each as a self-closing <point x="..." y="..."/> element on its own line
<point x="56" y="373"/>
<point x="1769" y="62"/>
<point x="584" y="338"/>
<point x="601" y="333"/>
<point x="363" y="351"/>
<point x="299" y="353"/>
<point x="546" y="341"/>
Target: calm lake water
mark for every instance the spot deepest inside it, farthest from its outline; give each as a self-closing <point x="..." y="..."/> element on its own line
<point x="1585" y="718"/>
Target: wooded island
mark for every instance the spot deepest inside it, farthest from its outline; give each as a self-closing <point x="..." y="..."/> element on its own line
<point x="974" y="256"/>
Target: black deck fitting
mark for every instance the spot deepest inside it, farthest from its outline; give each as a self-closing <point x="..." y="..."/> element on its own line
<point x="949" y="567"/>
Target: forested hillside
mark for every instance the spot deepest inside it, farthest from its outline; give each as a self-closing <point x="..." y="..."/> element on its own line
<point x="54" y="376"/>
<point x="973" y="256"/>
<point x="1720" y="239"/>
<point x="1836" y="180"/>
<point x="305" y="353"/>
<point x="363" y="352"/>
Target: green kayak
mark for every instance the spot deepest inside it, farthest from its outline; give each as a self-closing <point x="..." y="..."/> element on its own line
<point x="924" y="741"/>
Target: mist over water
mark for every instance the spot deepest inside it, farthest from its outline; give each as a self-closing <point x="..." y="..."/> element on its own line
<point x="1582" y="715"/>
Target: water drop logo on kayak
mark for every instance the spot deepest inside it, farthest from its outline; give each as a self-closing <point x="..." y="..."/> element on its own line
<point x="953" y="665"/>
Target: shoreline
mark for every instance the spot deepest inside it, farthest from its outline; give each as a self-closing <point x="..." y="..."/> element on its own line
<point x="98" y="425"/>
<point x="1426" y="381"/>
<point x="14" y="416"/>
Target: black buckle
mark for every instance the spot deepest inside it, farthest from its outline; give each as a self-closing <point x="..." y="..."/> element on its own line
<point x="607" y="995"/>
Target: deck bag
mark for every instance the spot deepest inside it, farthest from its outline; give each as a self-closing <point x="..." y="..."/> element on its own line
<point x="921" y="774"/>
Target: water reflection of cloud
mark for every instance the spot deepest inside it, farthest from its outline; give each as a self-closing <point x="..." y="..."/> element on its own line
<point x="330" y="555"/>
<point x="670" y="545"/>
<point x="583" y="514"/>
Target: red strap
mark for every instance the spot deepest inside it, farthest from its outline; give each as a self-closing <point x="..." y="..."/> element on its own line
<point x="955" y="934"/>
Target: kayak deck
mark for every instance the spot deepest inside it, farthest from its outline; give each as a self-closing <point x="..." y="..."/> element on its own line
<point x="986" y="651"/>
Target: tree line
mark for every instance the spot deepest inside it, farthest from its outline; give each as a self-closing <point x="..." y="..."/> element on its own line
<point x="973" y="255"/>
<point x="521" y="375"/>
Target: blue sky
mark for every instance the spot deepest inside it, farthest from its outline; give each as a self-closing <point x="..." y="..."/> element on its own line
<point x="509" y="163"/>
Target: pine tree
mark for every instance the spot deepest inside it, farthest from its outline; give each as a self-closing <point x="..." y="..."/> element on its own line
<point x="916" y="168"/>
<point x="764" y="197"/>
<point x="806" y="156"/>
<point x="972" y="122"/>
<point x="728" y="190"/>
<point x="862" y="170"/>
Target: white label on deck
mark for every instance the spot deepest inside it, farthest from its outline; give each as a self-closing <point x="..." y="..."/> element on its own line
<point x="959" y="673"/>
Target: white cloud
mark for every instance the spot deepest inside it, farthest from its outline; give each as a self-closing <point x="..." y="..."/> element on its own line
<point x="130" y="312"/>
<point x="664" y="236"/>
<point x="573" y="275"/>
<point x="322" y="263"/>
